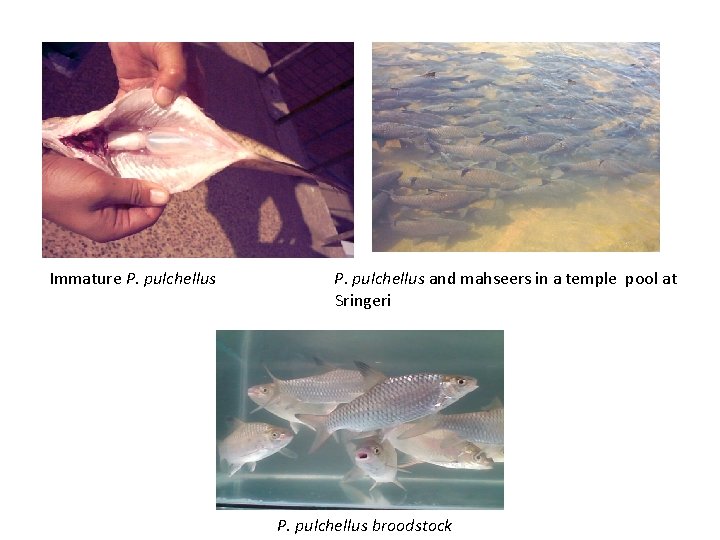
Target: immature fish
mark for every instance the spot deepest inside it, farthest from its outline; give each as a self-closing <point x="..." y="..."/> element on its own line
<point x="600" y="167"/>
<point x="419" y="182"/>
<point x="392" y="402"/>
<point x="373" y="458"/>
<point x="440" y="447"/>
<point x="252" y="441"/>
<point x="333" y="386"/>
<point x="286" y="406"/>
<point x="453" y="132"/>
<point x="177" y="147"/>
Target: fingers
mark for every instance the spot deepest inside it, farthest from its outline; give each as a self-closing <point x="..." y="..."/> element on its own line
<point x="134" y="192"/>
<point x="172" y="72"/>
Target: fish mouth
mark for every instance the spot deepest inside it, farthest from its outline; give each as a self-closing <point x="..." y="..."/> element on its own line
<point x="362" y="455"/>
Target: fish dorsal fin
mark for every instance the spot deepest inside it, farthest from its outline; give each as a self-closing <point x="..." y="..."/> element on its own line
<point x="370" y="375"/>
<point x="235" y="422"/>
<point x="494" y="404"/>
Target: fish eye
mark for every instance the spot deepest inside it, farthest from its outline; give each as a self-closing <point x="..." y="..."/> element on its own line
<point x="274" y="434"/>
<point x="264" y="389"/>
<point x="376" y="450"/>
<point x="461" y="382"/>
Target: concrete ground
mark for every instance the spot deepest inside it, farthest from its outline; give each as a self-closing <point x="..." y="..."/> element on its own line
<point x="238" y="212"/>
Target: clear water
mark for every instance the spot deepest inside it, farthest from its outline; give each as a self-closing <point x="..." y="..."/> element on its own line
<point x="313" y="480"/>
<point x="602" y="99"/>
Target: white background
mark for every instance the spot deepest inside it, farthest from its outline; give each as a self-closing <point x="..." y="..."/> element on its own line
<point x="108" y="393"/>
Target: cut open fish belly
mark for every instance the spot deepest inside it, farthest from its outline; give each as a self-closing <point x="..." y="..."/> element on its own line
<point x="177" y="147"/>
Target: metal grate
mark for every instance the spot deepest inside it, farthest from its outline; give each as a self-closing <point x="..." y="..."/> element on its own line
<point x="316" y="81"/>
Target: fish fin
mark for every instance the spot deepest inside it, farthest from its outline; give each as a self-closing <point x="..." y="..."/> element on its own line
<point x="235" y="468"/>
<point x="317" y="422"/>
<point x="411" y="461"/>
<point x="462" y="213"/>
<point x="236" y="422"/>
<point x="295" y="426"/>
<point x="288" y="453"/>
<point x="251" y="466"/>
<point x="353" y="474"/>
<point x="260" y="407"/>
<point x="375" y="484"/>
<point x="370" y="375"/>
<point x="494" y="404"/>
<point x="398" y="484"/>
<point x="418" y="428"/>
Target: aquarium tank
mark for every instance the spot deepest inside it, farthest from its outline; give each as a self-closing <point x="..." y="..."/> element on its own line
<point x="464" y="474"/>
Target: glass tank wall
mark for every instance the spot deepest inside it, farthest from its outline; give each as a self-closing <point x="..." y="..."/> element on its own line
<point x="315" y="479"/>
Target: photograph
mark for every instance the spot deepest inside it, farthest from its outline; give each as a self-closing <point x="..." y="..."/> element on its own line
<point x="526" y="147"/>
<point x="198" y="149"/>
<point x="360" y="419"/>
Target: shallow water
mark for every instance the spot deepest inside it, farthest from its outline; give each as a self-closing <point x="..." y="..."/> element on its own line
<point x="314" y="479"/>
<point x="578" y="125"/>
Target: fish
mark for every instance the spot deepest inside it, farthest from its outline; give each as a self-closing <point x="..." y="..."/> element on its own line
<point x="252" y="441"/>
<point x="286" y="406"/>
<point x="379" y="203"/>
<point x="383" y="180"/>
<point x="528" y="143"/>
<point x="488" y="178"/>
<point x="333" y="386"/>
<point x="478" y="427"/>
<point x="599" y="167"/>
<point x="374" y="458"/>
<point x="392" y="130"/>
<point x="439" y="447"/>
<point x="177" y="147"/>
<point x="440" y="200"/>
<point x="421" y="228"/>
<point x="419" y="182"/>
<point x="473" y="151"/>
<point x="392" y="402"/>
<point x="453" y="132"/>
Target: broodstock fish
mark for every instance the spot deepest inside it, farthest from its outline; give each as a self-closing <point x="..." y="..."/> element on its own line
<point x="394" y="401"/>
<point x="529" y="143"/>
<point x="252" y="441"/>
<point x="478" y="427"/>
<point x="177" y="147"/>
<point x="374" y="458"/>
<point x="285" y="406"/>
<point x="475" y="152"/>
<point x="488" y="178"/>
<point x="439" y="447"/>
<point x="333" y="386"/>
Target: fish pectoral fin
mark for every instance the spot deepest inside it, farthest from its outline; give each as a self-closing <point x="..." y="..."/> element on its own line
<point x="353" y="474"/>
<point x="494" y="404"/>
<point x="398" y="484"/>
<point x="251" y="466"/>
<point x="411" y="461"/>
<point x="235" y="468"/>
<point x="295" y="426"/>
<point x="317" y="422"/>
<point x="423" y="426"/>
<point x="288" y="453"/>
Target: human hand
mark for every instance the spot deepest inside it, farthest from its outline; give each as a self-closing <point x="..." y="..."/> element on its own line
<point x="159" y="64"/>
<point x="86" y="200"/>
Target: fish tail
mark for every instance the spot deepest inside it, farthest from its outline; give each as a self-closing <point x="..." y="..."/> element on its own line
<point x="317" y="422"/>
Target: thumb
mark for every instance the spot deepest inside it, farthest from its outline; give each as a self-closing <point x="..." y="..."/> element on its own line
<point x="133" y="192"/>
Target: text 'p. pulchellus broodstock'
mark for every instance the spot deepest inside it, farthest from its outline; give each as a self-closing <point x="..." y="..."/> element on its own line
<point x="177" y="147"/>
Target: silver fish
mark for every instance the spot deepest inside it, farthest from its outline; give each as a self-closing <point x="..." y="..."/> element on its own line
<point x="333" y="386"/>
<point x="440" y="200"/>
<point x="177" y="147"/>
<point x="373" y="458"/>
<point x="479" y="427"/>
<point x="440" y="447"/>
<point x="392" y="402"/>
<point x="286" y="406"/>
<point x="252" y="441"/>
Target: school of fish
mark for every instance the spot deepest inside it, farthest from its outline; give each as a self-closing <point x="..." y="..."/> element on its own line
<point x="377" y="417"/>
<point x="464" y="140"/>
